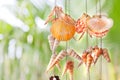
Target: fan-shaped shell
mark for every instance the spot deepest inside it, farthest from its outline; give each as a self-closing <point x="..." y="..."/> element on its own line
<point x="99" y="26"/>
<point x="81" y="23"/>
<point x="61" y="30"/>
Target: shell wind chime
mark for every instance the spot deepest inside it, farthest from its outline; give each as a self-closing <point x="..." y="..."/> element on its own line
<point x="63" y="28"/>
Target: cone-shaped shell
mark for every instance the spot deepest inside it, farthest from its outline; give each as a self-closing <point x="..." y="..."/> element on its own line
<point x="89" y="61"/>
<point x="61" y="30"/>
<point x="106" y="55"/>
<point x="69" y="67"/>
<point x="56" y="60"/>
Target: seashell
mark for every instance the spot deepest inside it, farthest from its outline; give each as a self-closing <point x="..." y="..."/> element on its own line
<point x="81" y="25"/>
<point x="99" y="25"/>
<point x="106" y="55"/>
<point x="84" y="57"/>
<point x="69" y="67"/>
<point x="72" y="53"/>
<point x="56" y="43"/>
<point x="51" y="40"/>
<point x="53" y="43"/>
<point x="96" y="52"/>
<point x="89" y="61"/>
<point x="51" y="60"/>
<point x="56" y="60"/>
<point x="61" y="30"/>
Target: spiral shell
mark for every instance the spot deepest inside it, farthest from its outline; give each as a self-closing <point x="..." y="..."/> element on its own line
<point x="51" y="40"/>
<point x="84" y="57"/>
<point x="89" y="61"/>
<point x="56" y="60"/>
<point x="106" y="55"/>
<point x="72" y="53"/>
<point x="96" y="52"/>
<point x="51" y="60"/>
<point x="69" y="67"/>
<point x="53" y="43"/>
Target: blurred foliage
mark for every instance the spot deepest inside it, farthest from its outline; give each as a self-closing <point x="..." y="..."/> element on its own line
<point x="24" y="55"/>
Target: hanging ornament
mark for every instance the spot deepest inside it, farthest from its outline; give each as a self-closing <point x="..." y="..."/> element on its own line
<point x="99" y="25"/>
<point x="51" y="60"/>
<point x="69" y="67"/>
<point x="62" y="28"/>
<point x="81" y="24"/>
<point x="53" y="43"/>
<point x="63" y="54"/>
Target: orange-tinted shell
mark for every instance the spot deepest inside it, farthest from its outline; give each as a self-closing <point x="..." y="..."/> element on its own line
<point x="61" y="30"/>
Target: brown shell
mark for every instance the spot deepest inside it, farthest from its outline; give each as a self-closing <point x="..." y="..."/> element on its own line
<point x="61" y="30"/>
<point x="81" y="25"/>
<point x="69" y="67"/>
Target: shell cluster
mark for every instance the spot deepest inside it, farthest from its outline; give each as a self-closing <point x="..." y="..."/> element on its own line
<point x="63" y="28"/>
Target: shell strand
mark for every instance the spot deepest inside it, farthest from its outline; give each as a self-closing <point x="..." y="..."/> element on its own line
<point x="89" y="61"/>
<point x="51" y="60"/>
<point x="56" y="43"/>
<point x="72" y="53"/>
<point x="106" y="55"/>
<point x="51" y="40"/>
<point x="60" y="56"/>
<point x="69" y="67"/>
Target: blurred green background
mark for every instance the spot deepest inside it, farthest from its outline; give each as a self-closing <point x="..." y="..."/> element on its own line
<point x="24" y="48"/>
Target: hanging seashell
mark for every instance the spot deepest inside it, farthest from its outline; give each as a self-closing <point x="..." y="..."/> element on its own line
<point x="51" y="60"/>
<point x="61" y="30"/>
<point x="56" y="43"/>
<point x="106" y="55"/>
<point x="72" y="53"/>
<point x="96" y="52"/>
<point x="56" y="60"/>
<point x="84" y="57"/>
<point x="69" y="67"/>
<point x="89" y="61"/>
<point x="51" y="40"/>
<point x="53" y="43"/>
<point x="99" y="25"/>
<point x="81" y="25"/>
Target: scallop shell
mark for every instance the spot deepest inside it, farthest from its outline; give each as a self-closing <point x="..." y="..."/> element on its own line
<point x="99" y="25"/>
<point x="61" y="30"/>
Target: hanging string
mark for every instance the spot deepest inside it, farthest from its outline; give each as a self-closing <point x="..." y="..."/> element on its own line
<point x="87" y="42"/>
<point x="100" y="43"/>
<point x="66" y="2"/>
<point x="69" y="7"/>
<point x="53" y="52"/>
<point x="96" y="7"/>
<point x="96" y="42"/>
<point x="100" y="7"/>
